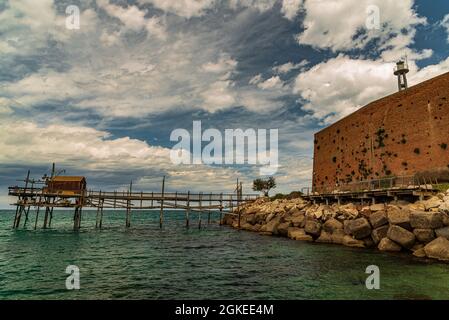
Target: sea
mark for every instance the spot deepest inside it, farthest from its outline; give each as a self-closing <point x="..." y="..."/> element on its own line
<point x="211" y="262"/>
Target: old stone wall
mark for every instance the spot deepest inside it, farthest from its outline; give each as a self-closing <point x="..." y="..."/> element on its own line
<point x="399" y="135"/>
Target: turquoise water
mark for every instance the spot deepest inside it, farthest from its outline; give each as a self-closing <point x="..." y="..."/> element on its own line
<point x="216" y="262"/>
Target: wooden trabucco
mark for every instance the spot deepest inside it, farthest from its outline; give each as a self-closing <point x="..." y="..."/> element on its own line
<point x="46" y="200"/>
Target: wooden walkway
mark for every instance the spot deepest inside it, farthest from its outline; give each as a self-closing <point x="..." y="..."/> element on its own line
<point x="41" y="199"/>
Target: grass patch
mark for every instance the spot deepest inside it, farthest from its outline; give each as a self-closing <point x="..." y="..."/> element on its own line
<point x="442" y="187"/>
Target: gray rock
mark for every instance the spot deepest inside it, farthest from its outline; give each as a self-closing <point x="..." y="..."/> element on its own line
<point x="426" y="220"/>
<point x="272" y="225"/>
<point x="438" y="249"/>
<point x="298" y="220"/>
<point x="443" y="232"/>
<point x="400" y="217"/>
<point x="298" y="234"/>
<point x="351" y="242"/>
<point x="424" y="235"/>
<point x="420" y="253"/>
<point x="359" y="228"/>
<point x="401" y="236"/>
<point x="387" y="245"/>
<point x="283" y="228"/>
<point x="377" y="207"/>
<point x="312" y="227"/>
<point x="324" y="237"/>
<point x="331" y="225"/>
<point x="379" y="233"/>
<point x="378" y="219"/>
<point x="338" y="236"/>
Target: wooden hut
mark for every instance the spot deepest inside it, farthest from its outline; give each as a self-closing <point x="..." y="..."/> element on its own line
<point x="66" y="185"/>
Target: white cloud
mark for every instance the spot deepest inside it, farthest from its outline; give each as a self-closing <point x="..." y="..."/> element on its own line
<point x="256" y="79"/>
<point x="336" y="24"/>
<point x="445" y="24"/>
<point x="218" y="95"/>
<point x="290" y="8"/>
<point x="340" y="86"/>
<point x="134" y="19"/>
<point x="259" y="5"/>
<point x="184" y="8"/>
<point x="223" y="65"/>
<point x="27" y="25"/>
<point x="289" y="66"/>
<point x="272" y="83"/>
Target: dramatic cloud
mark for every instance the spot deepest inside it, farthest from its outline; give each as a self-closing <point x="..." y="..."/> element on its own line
<point x="445" y="24"/>
<point x="290" y="8"/>
<point x="289" y="66"/>
<point x="342" y="24"/>
<point x="340" y="86"/>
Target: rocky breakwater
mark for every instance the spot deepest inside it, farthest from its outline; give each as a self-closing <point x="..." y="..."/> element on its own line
<point x="421" y="228"/>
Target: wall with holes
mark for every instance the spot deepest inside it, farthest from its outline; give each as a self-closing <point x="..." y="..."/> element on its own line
<point x="402" y="134"/>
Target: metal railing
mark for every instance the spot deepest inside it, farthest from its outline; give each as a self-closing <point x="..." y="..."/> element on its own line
<point x="390" y="183"/>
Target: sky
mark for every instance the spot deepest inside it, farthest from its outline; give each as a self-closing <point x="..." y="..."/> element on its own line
<point x="102" y="100"/>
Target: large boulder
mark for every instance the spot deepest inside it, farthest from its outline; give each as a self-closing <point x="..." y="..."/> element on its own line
<point x="400" y="217"/>
<point x="325" y="237"/>
<point x="298" y="220"/>
<point x="424" y="235"/>
<point x="443" y="232"/>
<point x="377" y="207"/>
<point x="401" y="236"/>
<point x="426" y="220"/>
<point x="338" y="236"/>
<point x="445" y="218"/>
<point x="433" y="202"/>
<point x="251" y="219"/>
<point x="272" y="225"/>
<point x="298" y="234"/>
<point x="379" y="233"/>
<point x="378" y="219"/>
<point x="359" y="228"/>
<point x="438" y="249"/>
<point x="349" y="210"/>
<point x="312" y="227"/>
<point x="387" y="245"/>
<point x="351" y="242"/>
<point x="331" y="225"/>
<point x="283" y="228"/>
<point x="420" y="253"/>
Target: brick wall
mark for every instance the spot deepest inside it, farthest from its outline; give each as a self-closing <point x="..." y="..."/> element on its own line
<point x="401" y="134"/>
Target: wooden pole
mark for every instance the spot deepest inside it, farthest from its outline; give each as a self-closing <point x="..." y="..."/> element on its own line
<point x="97" y="220"/>
<point x="188" y="210"/>
<point x="26" y="217"/>
<point x="101" y="214"/>
<point x="201" y="208"/>
<point x="221" y="207"/>
<point x="47" y="211"/>
<point x="141" y="199"/>
<point x="210" y="204"/>
<point x="128" y="206"/>
<point x="37" y="213"/>
<point x="51" y="212"/>
<point x="161" y="214"/>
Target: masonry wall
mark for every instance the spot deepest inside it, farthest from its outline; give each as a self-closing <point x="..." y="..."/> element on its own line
<point x="402" y="134"/>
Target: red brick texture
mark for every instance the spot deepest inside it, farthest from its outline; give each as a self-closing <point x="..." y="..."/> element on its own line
<point x="402" y="134"/>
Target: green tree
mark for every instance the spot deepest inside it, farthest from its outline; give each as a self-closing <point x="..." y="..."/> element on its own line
<point x="264" y="185"/>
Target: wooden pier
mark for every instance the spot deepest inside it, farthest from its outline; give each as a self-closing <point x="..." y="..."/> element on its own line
<point x="46" y="198"/>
